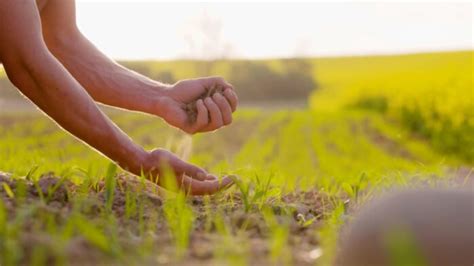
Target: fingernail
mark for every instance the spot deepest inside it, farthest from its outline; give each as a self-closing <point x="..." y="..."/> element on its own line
<point x="227" y="182"/>
<point x="211" y="177"/>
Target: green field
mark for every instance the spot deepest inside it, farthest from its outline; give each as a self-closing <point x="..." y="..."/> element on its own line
<point x="374" y="123"/>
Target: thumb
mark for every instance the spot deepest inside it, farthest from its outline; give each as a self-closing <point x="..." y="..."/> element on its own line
<point x="192" y="171"/>
<point x="216" y="80"/>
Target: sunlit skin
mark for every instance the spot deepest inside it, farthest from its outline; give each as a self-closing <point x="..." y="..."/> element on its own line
<point x="48" y="59"/>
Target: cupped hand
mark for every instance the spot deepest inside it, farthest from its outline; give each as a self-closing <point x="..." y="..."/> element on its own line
<point x="189" y="178"/>
<point x="212" y="112"/>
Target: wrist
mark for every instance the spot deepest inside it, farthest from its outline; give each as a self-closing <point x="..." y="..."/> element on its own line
<point x="133" y="159"/>
<point x="155" y="102"/>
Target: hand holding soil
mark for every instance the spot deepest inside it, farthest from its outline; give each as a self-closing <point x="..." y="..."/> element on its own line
<point x="191" y="108"/>
<point x="198" y="105"/>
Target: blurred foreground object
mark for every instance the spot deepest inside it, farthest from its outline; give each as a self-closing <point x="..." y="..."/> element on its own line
<point x="419" y="227"/>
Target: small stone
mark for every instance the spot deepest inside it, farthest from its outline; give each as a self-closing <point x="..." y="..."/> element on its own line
<point x="300" y="218"/>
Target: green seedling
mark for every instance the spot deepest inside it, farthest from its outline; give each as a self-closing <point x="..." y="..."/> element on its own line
<point x="39" y="190"/>
<point x="21" y="190"/>
<point x="31" y="172"/>
<point x="130" y="203"/>
<point x="279" y="234"/>
<point x="354" y="191"/>
<point x="91" y="233"/>
<point x="253" y="194"/>
<point x="52" y="190"/>
<point x="3" y="222"/>
<point x="110" y="184"/>
<point x="8" y="190"/>
<point x="180" y="218"/>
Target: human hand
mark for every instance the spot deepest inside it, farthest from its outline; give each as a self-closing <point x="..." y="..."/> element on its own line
<point x="212" y="112"/>
<point x="189" y="178"/>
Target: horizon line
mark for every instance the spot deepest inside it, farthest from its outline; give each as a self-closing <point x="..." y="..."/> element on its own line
<point x="342" y="55"/>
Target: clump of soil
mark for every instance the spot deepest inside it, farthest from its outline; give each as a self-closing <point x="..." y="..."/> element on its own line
<point x="191" y="109"/>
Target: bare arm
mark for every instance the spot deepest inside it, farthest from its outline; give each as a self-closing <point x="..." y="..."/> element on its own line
<point x="32" y="68"/>
<point x="109" y="83"/>
<point x="42" y="78"/>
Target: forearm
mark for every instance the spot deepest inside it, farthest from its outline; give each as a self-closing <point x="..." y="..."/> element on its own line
<point x="109" y="83"/>
<point x="45" y="81"/>
<point x="105" y="80"/>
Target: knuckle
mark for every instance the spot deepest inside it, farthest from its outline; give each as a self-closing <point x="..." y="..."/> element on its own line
<point x="218" y="98"/>
<point x="214" y="107"/>
<point x="208" y="102"/>
<point x="236" y="97"/>
<point x="181" y="82"/>
<point x="217" y="79"/>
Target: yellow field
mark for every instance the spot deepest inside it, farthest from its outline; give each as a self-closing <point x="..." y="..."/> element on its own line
<point x="432" y="94"/>
<point x="429" y="93"/>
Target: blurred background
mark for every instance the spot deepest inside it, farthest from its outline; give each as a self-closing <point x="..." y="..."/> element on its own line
<point x="153" y="30"/>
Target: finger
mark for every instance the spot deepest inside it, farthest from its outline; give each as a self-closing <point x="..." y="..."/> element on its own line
<point x="224" y="107"/>
<point x="202" y="118"/>
<point x="190" y="171"/>
<point x="214" y="114"/>
<point x="211" y="177"/>
<point x="231" y="96"/>
<point x="210" y="81"/>
<point x="196" y="187"/>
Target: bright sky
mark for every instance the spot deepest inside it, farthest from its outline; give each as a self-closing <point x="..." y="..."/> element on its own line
<point x="160" y="30"/>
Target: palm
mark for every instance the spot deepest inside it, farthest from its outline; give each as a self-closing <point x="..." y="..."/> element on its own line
<point x="187" y="91"/>
<point x="175" y="114"/>
<point x="189" y="178"/>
